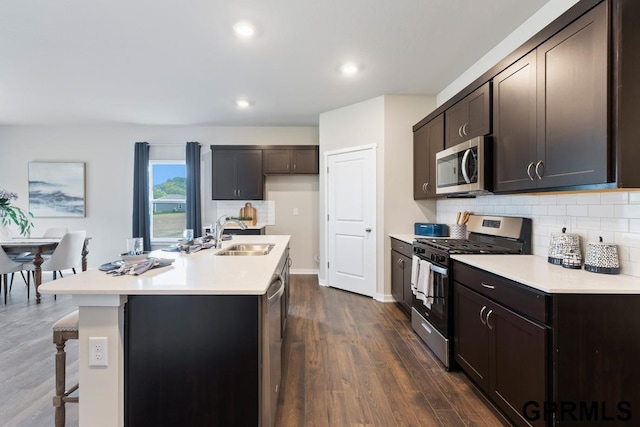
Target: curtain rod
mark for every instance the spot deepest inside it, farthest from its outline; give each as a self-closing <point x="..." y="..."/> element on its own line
<point x="167" y="144"/>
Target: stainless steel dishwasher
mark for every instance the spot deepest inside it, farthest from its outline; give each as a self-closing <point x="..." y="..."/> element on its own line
<point x="272" y="348"/>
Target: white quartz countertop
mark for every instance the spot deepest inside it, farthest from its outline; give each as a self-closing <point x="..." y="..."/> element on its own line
<point x="258" y="226"/>
<point x="202" y="272"/>
<point x="536" y="272"/>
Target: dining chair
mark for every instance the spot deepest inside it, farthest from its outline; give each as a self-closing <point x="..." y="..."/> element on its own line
<point x="64" y="329"/>
<point x="66" y="256"/>
<point x="7" y="265"/>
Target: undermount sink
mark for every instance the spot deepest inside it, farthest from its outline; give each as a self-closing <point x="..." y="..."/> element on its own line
<point x="246" y="249"/>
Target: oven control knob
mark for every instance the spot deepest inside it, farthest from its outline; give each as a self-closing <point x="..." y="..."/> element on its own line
<point x="433" y="257"/>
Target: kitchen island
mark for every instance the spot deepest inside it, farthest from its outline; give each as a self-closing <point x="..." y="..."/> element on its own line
<point x="209" y="283"/>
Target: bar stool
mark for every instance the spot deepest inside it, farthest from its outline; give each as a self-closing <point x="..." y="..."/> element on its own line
<point x="64" y="329"/>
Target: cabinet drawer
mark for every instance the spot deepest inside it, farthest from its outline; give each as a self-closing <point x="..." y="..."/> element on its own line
<point x="520" y="298"/>
<point x="404" y="248"/>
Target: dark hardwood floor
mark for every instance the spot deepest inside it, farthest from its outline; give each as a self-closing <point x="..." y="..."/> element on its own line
<point x="352" y="361"/>
<point x="348" y="361"/>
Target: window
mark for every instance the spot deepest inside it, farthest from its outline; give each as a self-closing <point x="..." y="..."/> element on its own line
<point x="168" y="180"/>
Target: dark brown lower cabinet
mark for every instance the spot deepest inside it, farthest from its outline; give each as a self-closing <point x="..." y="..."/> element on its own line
<point x="401" y="254"/>
<point x="505" y="353"/>
<point x="549" y="359"/>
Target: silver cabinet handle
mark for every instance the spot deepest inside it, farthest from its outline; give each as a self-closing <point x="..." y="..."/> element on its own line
<point x="529" y="171"/>
<point x="489" y="314"/>
<point x="294" y="167"/>
<point x="401" y="263"/>
<point x="460" y="131"/>
<point x="488" y="286"/>
<point x="287" y="166"/>
<point x="427" y="188"/>
<point x="289" y="261"/>
<point x="464" y="129"/>
<point x="424" y="187"/>
<point x="538" y="174"/>
<point x="484" y="307"/>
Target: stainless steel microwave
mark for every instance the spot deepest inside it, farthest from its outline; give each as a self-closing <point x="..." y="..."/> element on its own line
<point x="465" y="168"/>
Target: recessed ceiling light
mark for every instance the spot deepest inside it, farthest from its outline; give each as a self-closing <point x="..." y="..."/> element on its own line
<point x="349" y="68"/>
<point x="244" y="29"/>
<point x="243" y="103"/>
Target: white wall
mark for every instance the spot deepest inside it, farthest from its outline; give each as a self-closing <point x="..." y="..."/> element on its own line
<point x="108" y="155"/>
<point x="387" y="122"/>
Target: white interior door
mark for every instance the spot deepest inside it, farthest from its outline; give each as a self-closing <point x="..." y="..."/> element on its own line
<point x="351" y="208"/>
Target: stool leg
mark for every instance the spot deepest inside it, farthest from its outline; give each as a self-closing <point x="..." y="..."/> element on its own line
<point x="58" y="400"/>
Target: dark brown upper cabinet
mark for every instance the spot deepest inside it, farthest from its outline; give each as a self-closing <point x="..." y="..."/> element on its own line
<point x="550" y="111"/>
<point x="297" y="160"/>
<point x="427" y="141"/>
<point x="469" y="117"/>
<point x="236" y="173"/>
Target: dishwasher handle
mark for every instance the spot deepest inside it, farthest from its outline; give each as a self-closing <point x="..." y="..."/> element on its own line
<point x="272" y="293"/>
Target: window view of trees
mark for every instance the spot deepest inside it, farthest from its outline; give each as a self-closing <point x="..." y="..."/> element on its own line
<point x="168" y="199"/>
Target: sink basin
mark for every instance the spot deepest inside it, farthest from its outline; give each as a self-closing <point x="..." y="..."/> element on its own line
<point x="245" y="249"/>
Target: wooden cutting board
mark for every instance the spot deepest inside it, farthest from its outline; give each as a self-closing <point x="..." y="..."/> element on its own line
<point x="249" y="211"/>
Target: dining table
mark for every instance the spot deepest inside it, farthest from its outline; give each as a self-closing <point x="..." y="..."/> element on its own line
<point x="36" y="246"/>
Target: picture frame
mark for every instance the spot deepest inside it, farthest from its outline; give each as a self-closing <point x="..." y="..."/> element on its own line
<point x="57" y="189"/>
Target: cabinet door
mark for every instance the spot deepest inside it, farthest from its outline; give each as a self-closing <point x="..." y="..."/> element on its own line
<point x="397" y="277"/>
<point x="427" y="141"/>
<point x="514" y="127"/>
<point x="408" y="294"/>
<point x="305" y="161"/>
<point x="277" y="161"/>
<point x="469" y="117"/>
<point x="518" y="358"/>
<point x="223" y="174"/>
<point x="572" y="103"/>
<point x="250" y="181"/>
<point x="471" y="338"/>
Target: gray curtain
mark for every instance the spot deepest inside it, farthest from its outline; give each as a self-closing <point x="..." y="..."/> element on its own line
<point x="141" y="219"/>
<point x="194" y="216"/>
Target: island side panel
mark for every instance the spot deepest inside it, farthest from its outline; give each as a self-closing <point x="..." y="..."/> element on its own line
<point x="192" y="360"/>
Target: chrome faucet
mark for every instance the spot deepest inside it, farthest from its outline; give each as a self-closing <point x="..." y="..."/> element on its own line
<point x="220" y="224"/>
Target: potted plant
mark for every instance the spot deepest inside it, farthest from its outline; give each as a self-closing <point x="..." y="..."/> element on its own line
<point x="14" y="215"/>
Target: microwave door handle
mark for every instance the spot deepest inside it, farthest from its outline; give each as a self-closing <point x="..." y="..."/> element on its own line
<point x="465" y="158"/>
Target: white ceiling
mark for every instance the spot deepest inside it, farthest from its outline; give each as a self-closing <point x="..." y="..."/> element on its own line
<point x="177" y="62"/>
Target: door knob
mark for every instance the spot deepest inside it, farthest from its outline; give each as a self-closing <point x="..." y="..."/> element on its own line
<point x="368" y="230"/>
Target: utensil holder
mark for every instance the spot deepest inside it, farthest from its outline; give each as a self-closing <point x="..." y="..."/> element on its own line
<point x="458" y="231"/>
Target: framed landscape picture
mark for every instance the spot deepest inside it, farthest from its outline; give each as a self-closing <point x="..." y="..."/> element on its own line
<point x="56" y="189"/>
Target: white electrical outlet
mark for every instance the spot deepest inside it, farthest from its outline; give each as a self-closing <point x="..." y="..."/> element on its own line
<point x="98" y="351"/>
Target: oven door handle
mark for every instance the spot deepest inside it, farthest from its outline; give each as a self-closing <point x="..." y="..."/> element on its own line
<point x="440" y="270"/>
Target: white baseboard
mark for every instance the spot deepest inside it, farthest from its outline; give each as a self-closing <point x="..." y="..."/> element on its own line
<point x="385" y="298"/>
<point x="303" y="271"/>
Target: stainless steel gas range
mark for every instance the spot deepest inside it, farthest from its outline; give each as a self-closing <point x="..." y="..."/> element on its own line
<point x="433" y="322"/>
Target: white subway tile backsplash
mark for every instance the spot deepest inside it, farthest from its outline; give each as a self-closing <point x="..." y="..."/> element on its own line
<point x="567" y="199"/>
<point x="601" y="211"/>
<point x="627" y="211"/>
<point x="588" y="199"/>
<point x="588" y="223"/>
<point x="614" y="224"/>
<point x="577" y="210"/>
<point x="614" y="198"/>
<point x="612" y="215"/>
<point x="557" y="209"/>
